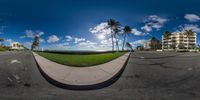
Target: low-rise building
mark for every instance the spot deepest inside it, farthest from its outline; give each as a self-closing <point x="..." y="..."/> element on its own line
<point x="147" y="45"/>
<point x="16" y="46"/>
<point x="179" y="41"/>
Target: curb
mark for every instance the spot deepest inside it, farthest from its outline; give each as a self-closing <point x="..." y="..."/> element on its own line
<point x="83" y="87"/>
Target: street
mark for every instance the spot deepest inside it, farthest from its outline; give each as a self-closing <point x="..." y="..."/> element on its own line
<point x="147" y="76"/>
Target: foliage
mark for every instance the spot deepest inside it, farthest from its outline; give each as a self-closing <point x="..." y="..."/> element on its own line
<point x="127" y="30"/>
<point x="181" y="46"/>
<point x="114" y="26"/>
<point x="155" y="43"/>
<point x="188" y="33"/>
<point x="35" y="42"/>
<point x="4" y="48"/>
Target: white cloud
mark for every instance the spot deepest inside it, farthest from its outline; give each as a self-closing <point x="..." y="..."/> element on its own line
<point x="192" y="17"/>
<point x="68" y="38"/>
<point x="146" y="28"/>
<point x="27" y="44"/>
<point x="66" y="44"/>
<point x="29" y="33"/>
<point x="153" y="22"/>
<point x="101" y="28"/>
<point x="87" y="44"/>
<point x="136" y="32"/>
<point x="2" y="28"/>
<point x="106" y="42"/>
<point x="77" y="40"/>
<point x="42" y="40"/>
<point x="22" y="37"/>
<point x="40" y="34"/>
<point x="53" y="39"/>
<point x="138" y="42"/>
<point x="9" y="41"/>
<point x="57" y="46"/>
<point x="194" y="28"/>
<point x="32" y="34"/>
<point x="62" y="45"/>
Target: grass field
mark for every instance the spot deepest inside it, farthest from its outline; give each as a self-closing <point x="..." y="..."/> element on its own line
<point x="3" y="49"/>
<point x="81" y="60"/>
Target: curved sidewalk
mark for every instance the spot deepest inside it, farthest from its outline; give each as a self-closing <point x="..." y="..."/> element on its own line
<point x="81" y="77"/>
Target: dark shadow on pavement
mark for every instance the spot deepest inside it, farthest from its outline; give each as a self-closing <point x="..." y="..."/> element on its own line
<point x="83" y="87"/>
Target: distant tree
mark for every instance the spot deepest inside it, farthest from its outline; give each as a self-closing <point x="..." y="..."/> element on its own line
<point x="113" y="25"/>
<point x="1" y="40"/>
<point x="188" y="33"/>
<point x="167" y="35"/>
<point x="193" y="47"/>
<point x="140" y="47"/>
<point x="181" y="46"/>
<point x="173" y="46"/>
<point x="18" y="45"/>
<point x="197" y="47"/>
<point x="127" y="30"/>
<point x="155" y="43"/>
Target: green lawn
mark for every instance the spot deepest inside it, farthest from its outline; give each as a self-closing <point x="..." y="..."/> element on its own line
<point x="81" y="60"/>
<point x="2" y="49"/>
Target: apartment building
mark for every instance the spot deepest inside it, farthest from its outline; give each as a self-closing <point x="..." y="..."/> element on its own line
<point x="179" y="41"/>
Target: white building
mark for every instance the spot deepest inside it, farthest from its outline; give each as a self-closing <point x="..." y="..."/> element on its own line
<point x="179" y="41"/>
<point x="16" y="46"/>
<point x="146" y="45"/>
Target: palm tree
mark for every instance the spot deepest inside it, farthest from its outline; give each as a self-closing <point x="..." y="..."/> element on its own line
<point x="35" y="42"/>
<point x="167" y="35"/>
<point x="1" y="40"/>
<point x="116" y="33"/>
<point x="188" y="33"/>
<point x="113" y="25"/>
<point x="153" y="43"/>
<point x="32" y="46"/>
<point x="127" y="30"/>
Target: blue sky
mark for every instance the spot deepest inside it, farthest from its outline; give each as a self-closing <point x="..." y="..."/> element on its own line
<point x="78" y="24"/>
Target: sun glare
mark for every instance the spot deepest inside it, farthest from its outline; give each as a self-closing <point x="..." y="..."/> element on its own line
<point x="101" y="37"/>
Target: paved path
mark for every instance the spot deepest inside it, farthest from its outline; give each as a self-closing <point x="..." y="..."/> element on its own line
<point x="82" y="76"/>
<point x="156" y="76"/>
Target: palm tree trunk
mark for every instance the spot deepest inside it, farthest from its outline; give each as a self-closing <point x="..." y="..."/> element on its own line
<point x="38" y="48"/>
<point x="124" y="42"/>
<point x="112" y="43"/>
<point x="117" y="45"/>
<point x="116" y="42"/>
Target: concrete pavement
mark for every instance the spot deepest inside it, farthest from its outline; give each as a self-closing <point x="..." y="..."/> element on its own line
<point x="147" y="76"/>
<point x="81" y="77"/>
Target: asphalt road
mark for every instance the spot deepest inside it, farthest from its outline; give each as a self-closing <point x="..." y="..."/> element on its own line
<point x="147" y="76"/>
